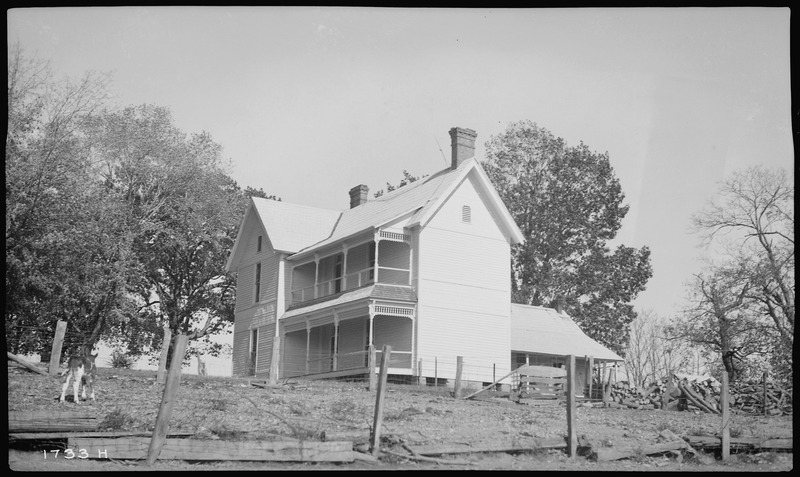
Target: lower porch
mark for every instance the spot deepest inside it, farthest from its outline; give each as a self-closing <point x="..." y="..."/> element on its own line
<point x="339" y="345"/>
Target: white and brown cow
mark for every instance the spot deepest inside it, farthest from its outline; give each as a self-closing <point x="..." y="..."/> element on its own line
<point x="82" y="370"/>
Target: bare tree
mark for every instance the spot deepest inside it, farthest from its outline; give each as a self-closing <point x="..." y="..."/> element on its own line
<point x="753" y="217"/>
<point x="651" y="354"/>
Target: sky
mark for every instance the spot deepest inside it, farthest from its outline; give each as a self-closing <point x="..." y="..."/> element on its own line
<point x="309" y="102"/>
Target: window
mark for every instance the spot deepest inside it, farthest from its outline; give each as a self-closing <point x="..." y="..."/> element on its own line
<point x="258" y="247"/>
<point x="253" y="351"/>
<point x="258" y="282"/>
<point x="466" y="214"/>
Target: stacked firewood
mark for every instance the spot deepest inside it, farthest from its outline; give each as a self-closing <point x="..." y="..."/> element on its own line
<point x="750" y="397"/>
<point x="702" y="393"/>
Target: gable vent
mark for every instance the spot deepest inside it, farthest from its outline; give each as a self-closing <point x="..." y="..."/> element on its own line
<point x="466" y="214"/>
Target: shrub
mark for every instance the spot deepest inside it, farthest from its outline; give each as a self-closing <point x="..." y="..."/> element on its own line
<point x="120" y="360"/>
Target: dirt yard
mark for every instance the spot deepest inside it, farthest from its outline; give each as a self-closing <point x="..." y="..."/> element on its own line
<point x="233" y="409"/>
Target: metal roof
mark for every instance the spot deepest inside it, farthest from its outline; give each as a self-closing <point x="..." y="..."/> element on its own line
<point x="292" y="227"/>
<point x="536" y="329"/>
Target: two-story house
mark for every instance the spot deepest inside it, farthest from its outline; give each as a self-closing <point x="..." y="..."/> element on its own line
<point x="424" y="268"/>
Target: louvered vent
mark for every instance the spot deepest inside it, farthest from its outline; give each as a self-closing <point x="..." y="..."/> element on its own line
<point x="466" y="214"/>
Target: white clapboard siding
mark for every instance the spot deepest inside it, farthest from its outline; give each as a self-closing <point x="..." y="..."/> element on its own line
<point x="464" y="288"/>
<point x="241" y="342"/>
<point x="266" y="336"/>
<point x="245" y="284"/>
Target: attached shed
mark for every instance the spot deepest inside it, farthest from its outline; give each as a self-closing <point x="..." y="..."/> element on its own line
<point x="544" y="337"/>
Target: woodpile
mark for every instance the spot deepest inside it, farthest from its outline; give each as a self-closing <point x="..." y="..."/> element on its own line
<point x="702" y="393"/>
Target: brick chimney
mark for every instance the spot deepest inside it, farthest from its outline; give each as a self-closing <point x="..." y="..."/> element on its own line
<point x="462" y="143"/>
<point x="358" y="195"/>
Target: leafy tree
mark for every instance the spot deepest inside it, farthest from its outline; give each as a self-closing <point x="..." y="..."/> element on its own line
<point x="185" y="210"/>
<point x="568" y="204"/>
<point x="752" y="221"/>
<point x="60" y="261"/>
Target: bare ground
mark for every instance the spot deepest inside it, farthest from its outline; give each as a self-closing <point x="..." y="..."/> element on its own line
<point x="233" y="409"/>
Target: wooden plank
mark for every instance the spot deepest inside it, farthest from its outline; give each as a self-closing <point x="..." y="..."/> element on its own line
<point x="740" y="443"/>
<point x="51" y="421"/>
<point x="32" y="436"/>
<point x="489" y="386"/>
<point x="559" y="381"/>
<point x="543" y="371"/>
<point x="510" y="445"/>
<point x="197" y="449"/>
<point x="58" y="343"/>
<point x="605" y="454"/>
<point x="26" y="364"/>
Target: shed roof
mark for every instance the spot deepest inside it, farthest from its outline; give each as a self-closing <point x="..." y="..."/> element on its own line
<point x="537" y="329"/>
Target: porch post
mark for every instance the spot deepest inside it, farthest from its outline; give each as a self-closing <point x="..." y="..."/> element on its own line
<point x="344" y="267"/>
<point x="410" y="263"/>
<point x="308" y="343"/>
<point x="371" y="317"/>
<point x="335" y="340"/>
<point x="377" y="241"/>
<point x="316" y="274"/>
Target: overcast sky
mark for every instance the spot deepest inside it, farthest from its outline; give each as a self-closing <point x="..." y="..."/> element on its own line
<point x="309" y="102"/>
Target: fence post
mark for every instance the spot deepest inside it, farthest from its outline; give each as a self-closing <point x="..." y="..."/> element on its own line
<point x="168" y="400"/>
<point x="162" y="360"/>
<point x="591" y="377"/>
<point x="377" y="423"/>
<point x="457" y="386"/>
<point x="436" y="371"/>
<point x="420" y="379"/>
<point x="726" y="429"/>
<point x="572" y="432"/>
<point x="58" y="342"/>
<point x="765" y="393"/>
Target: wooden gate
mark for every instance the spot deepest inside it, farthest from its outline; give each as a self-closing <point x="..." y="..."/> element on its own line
<point x="541" y="383"/>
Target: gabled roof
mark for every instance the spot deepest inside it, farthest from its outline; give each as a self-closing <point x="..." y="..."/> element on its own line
<point x="289" y="227"/>
<point x="536" y="329"/>
<point x="422" y="198"/>
<point x="302" y="230"/>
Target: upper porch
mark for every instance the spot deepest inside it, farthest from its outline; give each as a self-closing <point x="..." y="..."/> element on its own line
<point x="384" y="258"/>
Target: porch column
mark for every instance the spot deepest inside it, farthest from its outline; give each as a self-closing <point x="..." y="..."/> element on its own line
<point x="377" y="241"/>
<point x="335" y="341"/>
<point x="308" y="343"/>
<point x="316" y="274"/>
<point x="371" y="318"/>
<point x="344" y="267"/>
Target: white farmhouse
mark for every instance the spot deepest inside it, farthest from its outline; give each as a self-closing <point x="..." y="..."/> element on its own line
<point x="424" y="268"/>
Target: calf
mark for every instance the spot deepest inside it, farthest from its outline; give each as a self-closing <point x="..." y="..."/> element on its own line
<point x="83" y="371"/>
